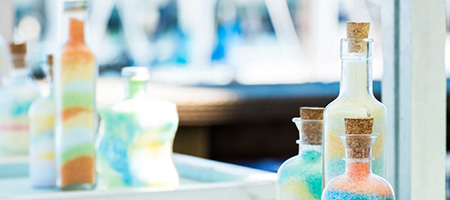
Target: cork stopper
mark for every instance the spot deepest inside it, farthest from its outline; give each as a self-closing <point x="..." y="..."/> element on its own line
<point x="312" y="125"/>
<point x="18" y="52"/>
<point x="18" y="48"/>
<point x="362" y="125"/>
<point x="357" y="30"/>
<point x="50" y="60"/>
<point x="50" y="65"/>
<point x="311" y="113"/>
<point x="358" y="132"/>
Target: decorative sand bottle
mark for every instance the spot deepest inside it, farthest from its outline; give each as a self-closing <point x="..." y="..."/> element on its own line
<point x="42" y="136"/>
<point x="134" y="147"/>
<point x="300" y="177"/>
<point x="358" y="182"/>
<point x="355" y="100"/>
<point x="15" y="99"/>
<point x="76" y="119"/>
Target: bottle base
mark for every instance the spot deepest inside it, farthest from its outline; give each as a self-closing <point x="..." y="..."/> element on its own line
<point x="85" y="186"/>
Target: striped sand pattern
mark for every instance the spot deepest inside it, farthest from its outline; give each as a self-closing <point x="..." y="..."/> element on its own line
<point x="76" y="117"/>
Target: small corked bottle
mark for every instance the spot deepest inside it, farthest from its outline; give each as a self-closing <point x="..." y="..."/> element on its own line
<point x="17" y="95"/>
<point x="42" y="136"/>
<point x="300" y="177"/>
<point x="355" y="99"/>
<point x="358" y="182"/>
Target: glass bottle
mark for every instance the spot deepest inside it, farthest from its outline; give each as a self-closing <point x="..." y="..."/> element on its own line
<point x="16" y="97"/>
<point x="355" y="99"/>
<point x="134" y="147"/>
<point x="358" y="182"/>
<point x="300" y="177"/>
<point x="42" y="136"/>
<point x="75" y="118"/>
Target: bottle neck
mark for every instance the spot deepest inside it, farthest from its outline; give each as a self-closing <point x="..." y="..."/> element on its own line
<point x="310" y="153"/>
<point x="74" y="26"/>
<point x="356" y="77"/>
<point x="136" y="89"/>
<point x="308" y="147"/>
<point x="358" y="168"/>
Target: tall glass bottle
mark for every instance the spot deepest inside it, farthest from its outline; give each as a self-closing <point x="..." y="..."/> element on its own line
<point x="134" y="147"/>
<point x="355" y="100"/>
<point x="15" y="99"/>
<point x="75" y="118"/>
<point x="300" y="177"/>
<point x="42" y="136"/>
<point x="358" y="182"/>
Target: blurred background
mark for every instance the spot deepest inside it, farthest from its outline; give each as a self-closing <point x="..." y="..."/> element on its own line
<point x="238" y="70"/>
<point x="209" y="42"/>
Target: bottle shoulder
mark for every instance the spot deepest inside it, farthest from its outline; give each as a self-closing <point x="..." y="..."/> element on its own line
<point x="75" y="49"/>
<point x="42" y="106"/>
<point x="304" y="160"/>
<point x="364" y="106"/>
<point x="141" y="105"/>
<point x="19" y="92"/>
<point x="143" y="110"/>
<point x="292" y="161"/>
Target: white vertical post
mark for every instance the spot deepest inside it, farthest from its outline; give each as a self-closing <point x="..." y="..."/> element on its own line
<point x="389" y="27"/>
<point x="414" y="91"/>
<point x="7" y="19"/>
<point x="6" y="35"/>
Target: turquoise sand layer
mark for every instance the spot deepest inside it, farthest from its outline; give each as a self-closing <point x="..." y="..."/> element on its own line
<point x="343" y="195"/>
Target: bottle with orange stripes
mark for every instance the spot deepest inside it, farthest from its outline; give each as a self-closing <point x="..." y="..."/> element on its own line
<point x="75" y="117"/>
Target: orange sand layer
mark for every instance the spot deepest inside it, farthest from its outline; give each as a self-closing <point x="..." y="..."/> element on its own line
<point x="73" y="111"/>
<point x="358" y="180"/>
<point x="78" y="171"/>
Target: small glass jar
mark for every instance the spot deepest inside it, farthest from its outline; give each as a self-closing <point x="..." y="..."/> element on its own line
<point x="300" y="177"/>
<point x="134" y="147"/>
<point x="358" y="182"/>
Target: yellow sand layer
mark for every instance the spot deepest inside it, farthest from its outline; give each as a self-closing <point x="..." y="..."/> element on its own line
<point x="42" y="124"/>
<point x="83" y="119"/>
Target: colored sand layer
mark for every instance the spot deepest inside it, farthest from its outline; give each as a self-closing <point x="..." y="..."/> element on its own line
<point x="135" y="144"/>
<point x="42" y="142"/>
<point x="342" y="195"/>
<point x="75" y="103"/>
<point x="300" y="178"/>
<point x="358" y="183"/>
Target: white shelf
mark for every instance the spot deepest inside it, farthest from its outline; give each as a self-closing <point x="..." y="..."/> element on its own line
<point x="200" y="179"/>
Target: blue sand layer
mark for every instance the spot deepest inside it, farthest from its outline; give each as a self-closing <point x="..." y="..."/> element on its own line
<point x="343" y="195"/>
